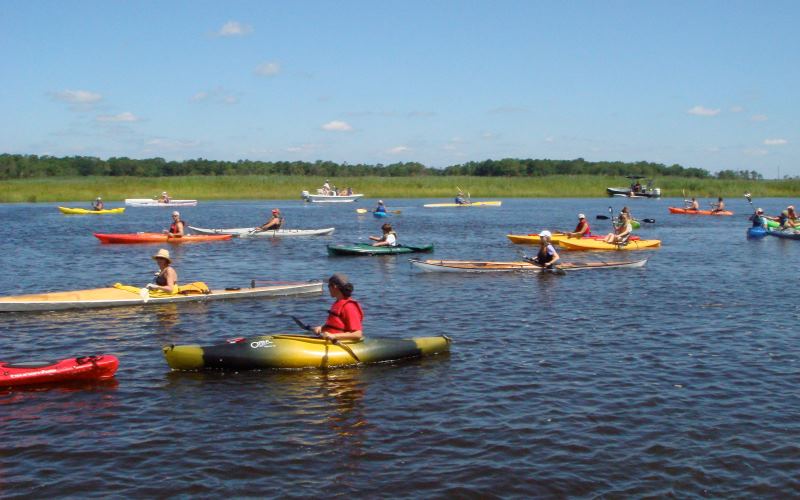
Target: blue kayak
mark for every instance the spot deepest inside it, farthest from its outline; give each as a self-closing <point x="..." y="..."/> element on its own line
<point x="380" y="214"/>
<point x="756" y="232"/>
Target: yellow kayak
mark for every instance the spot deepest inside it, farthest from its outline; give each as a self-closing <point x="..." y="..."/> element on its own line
<point x="473" y="204"/>
<point x="298" y="351"/>
<point x="556" y="239"/>
<point x="83" y="211"/>
<point x="590" y="244"/>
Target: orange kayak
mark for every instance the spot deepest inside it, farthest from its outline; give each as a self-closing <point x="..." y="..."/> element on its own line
<point x="158" y="238"/>
<point x="686" y="211"/>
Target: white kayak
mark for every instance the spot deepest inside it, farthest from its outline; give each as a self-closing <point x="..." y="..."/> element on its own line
<point x="113" y="297"/>
<point x="147" y="202"/>
<point x="475" y="266"/>
<point x="250" y="232"/>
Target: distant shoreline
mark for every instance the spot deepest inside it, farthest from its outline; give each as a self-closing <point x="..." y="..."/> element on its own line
<point x="257" y="187"/>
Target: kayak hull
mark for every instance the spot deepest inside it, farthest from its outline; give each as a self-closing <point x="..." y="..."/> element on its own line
<point x="298" y="351"/>
<point x="684" y="211"/>
<point x="787" y="235"/>
<point x="134" y="238"/>
<point x="380" y="215"/>
<point x="755" y="233"/>
<point x="147" y="202"/>
<point x="84" y="211"/>
<point x="246" y="232"/>
<point x="473" y="204"/>
<point x="474" y="266"/>
<point x="83" y="368"/>
<point x="587" y="244"/>
<point x="367" y="249"/>
<point x="534" y="239"/>
<point x="329" y="198"/>
<point x="115" y="297"/>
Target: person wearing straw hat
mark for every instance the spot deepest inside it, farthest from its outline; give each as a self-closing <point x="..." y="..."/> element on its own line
<point x="345" y="316"/>
<point x="582" y="230"/>
<point x="177" y="227"/>
<point x="98" y="205"/>
<point x="164" y="198"/>
<point x="274" y="223"/>
<point x="166" y="279"/>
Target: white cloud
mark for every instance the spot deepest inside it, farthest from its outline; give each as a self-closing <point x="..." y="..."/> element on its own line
<point x="337" y="126"/>
<point x="759" y="118"/>
<point x="200" y="96"/>
<point x="702" y="111"/>
<point x="235" y="28"/>
<point x="78" y="96"/>
<point x="736" y="109"/>
<point x="550" y="139"/>
<point x="399" y="150"/>
<point x="268" y="69"/>
<point x="775" y="142"/>
<point x="127" y="116"/>
<point x="217" y="94"/>
<point x="756" y="152"/>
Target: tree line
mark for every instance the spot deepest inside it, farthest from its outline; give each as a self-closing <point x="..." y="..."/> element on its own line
<point x="33" y="166"/>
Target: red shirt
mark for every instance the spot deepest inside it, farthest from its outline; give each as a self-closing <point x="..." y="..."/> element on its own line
<point x="345" y="316"/>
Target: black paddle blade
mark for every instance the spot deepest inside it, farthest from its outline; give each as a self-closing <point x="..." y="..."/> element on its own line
<point x="301" y="324"/>
<point x="649" y="221"/>
<point x="602" y="217"/>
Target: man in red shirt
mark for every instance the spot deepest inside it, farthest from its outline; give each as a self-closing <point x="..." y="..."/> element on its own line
<point x="345" y="316"/>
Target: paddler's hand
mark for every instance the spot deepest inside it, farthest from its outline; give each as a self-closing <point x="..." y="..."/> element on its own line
<point x="318" y="331"/>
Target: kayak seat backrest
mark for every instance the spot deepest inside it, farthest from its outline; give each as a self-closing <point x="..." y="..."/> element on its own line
<point x="195" y="288"/>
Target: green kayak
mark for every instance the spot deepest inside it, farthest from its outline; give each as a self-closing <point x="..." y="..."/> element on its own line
<point x="298" y="351"/>
<point x="367" y="249"/>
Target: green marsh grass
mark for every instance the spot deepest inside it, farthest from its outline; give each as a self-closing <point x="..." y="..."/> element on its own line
<point x="289" y="187"/>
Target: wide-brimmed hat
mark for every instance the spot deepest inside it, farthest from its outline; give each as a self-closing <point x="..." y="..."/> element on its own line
<point x="545" y="234"/>
<point x="380" y="202"/>
<point x="163" y="253"/>
<point x="581" y="216"/>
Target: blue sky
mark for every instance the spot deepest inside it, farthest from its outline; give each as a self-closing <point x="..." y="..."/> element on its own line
<point x="708" y="84"/>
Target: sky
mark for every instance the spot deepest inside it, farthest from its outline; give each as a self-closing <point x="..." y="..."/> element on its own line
<point x="705" y="84"/>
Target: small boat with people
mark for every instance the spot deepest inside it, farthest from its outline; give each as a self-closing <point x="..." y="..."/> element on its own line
<point x="253" y="232"/>
<point x="88" y="211"/>
<point x="126" y="295"/>
<point x="476" y="266"/>
<point x="636" y="189"/>
<point x="131" y="238"/>
<point x="147" y="202"/>
<point x="82" y="368"/>
<point x="299" y="351"/>
<point x="328" y="193"/>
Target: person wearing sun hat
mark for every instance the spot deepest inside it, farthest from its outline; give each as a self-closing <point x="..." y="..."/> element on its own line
<point x="345" y="316"/>
<point x="758" y="218"/>
<point x="547" y="255"/>
<point x="274" y="223"/>
<point x="582" y="230"/>
<point x="98" y="205"/>
<point x="177" y="227"/>
<point x="166" y="278"/>
<point x="164" y="198"/>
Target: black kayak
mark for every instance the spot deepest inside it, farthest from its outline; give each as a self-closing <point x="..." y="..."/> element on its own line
<point x="367" y="249"/>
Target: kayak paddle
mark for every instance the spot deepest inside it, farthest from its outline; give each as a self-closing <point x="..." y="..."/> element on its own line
<point x="308" y="327"/>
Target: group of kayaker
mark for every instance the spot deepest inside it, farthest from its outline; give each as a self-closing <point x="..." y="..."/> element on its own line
<point x="787" y="220"/>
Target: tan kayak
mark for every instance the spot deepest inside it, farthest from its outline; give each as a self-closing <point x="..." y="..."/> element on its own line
<point x="113" y="297"/>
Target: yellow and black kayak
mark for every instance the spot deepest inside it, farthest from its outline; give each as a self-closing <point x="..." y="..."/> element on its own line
<point x="83" y="211"/>
<point x="298" y="351"/>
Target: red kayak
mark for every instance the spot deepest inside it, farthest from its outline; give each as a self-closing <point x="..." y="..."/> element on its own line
<point x="159" y="238"/>
<point x="687" y="211"/>
<point x="85" y="368"/>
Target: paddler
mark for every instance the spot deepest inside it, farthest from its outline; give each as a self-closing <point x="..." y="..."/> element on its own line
<point x="460" y="199"/>
<point x="582" y="230"/>
<point x="621" y="231"/>
<point x="547" y="256"/>
<point x="719" y="206"/>
<point x="98" y="205"/>
<point x="758" y="219"/>
<point x="176" y="228"/>
<point x="273" y="223"/>
<point x="389" y="238"/>
<point x="381" y="208"/>
<point x="786" y="221"/>
<point x="693" y="205"/>
<point x="166" y="278"/>
<point x="345" y="316"/>
<point x="164" y="198"/>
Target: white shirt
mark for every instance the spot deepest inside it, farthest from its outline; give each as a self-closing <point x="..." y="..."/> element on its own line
<point x="390" y="238"/>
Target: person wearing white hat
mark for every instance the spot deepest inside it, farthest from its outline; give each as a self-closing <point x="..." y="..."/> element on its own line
<point x="166" y="278"/>
<point x="98" y="205"/>
<point x="177" y="227"/>
<point x="381" y="208"/>
<point x="547" y="256"/>
<point x="164" y="198"/>
<point x="582" y="230"/>
<point x="758" y="219"/>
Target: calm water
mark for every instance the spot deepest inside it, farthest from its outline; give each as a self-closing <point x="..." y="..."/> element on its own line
<point x="673" y="380"/>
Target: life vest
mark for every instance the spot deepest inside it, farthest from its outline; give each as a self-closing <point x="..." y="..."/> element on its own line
<point x="335" y="322"/>
<point x="588" y="229"/>
<point x="543" y="257"/>
<point x="173" y="228"/>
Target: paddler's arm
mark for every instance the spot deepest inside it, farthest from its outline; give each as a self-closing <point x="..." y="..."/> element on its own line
<point x="172" y="278"/>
